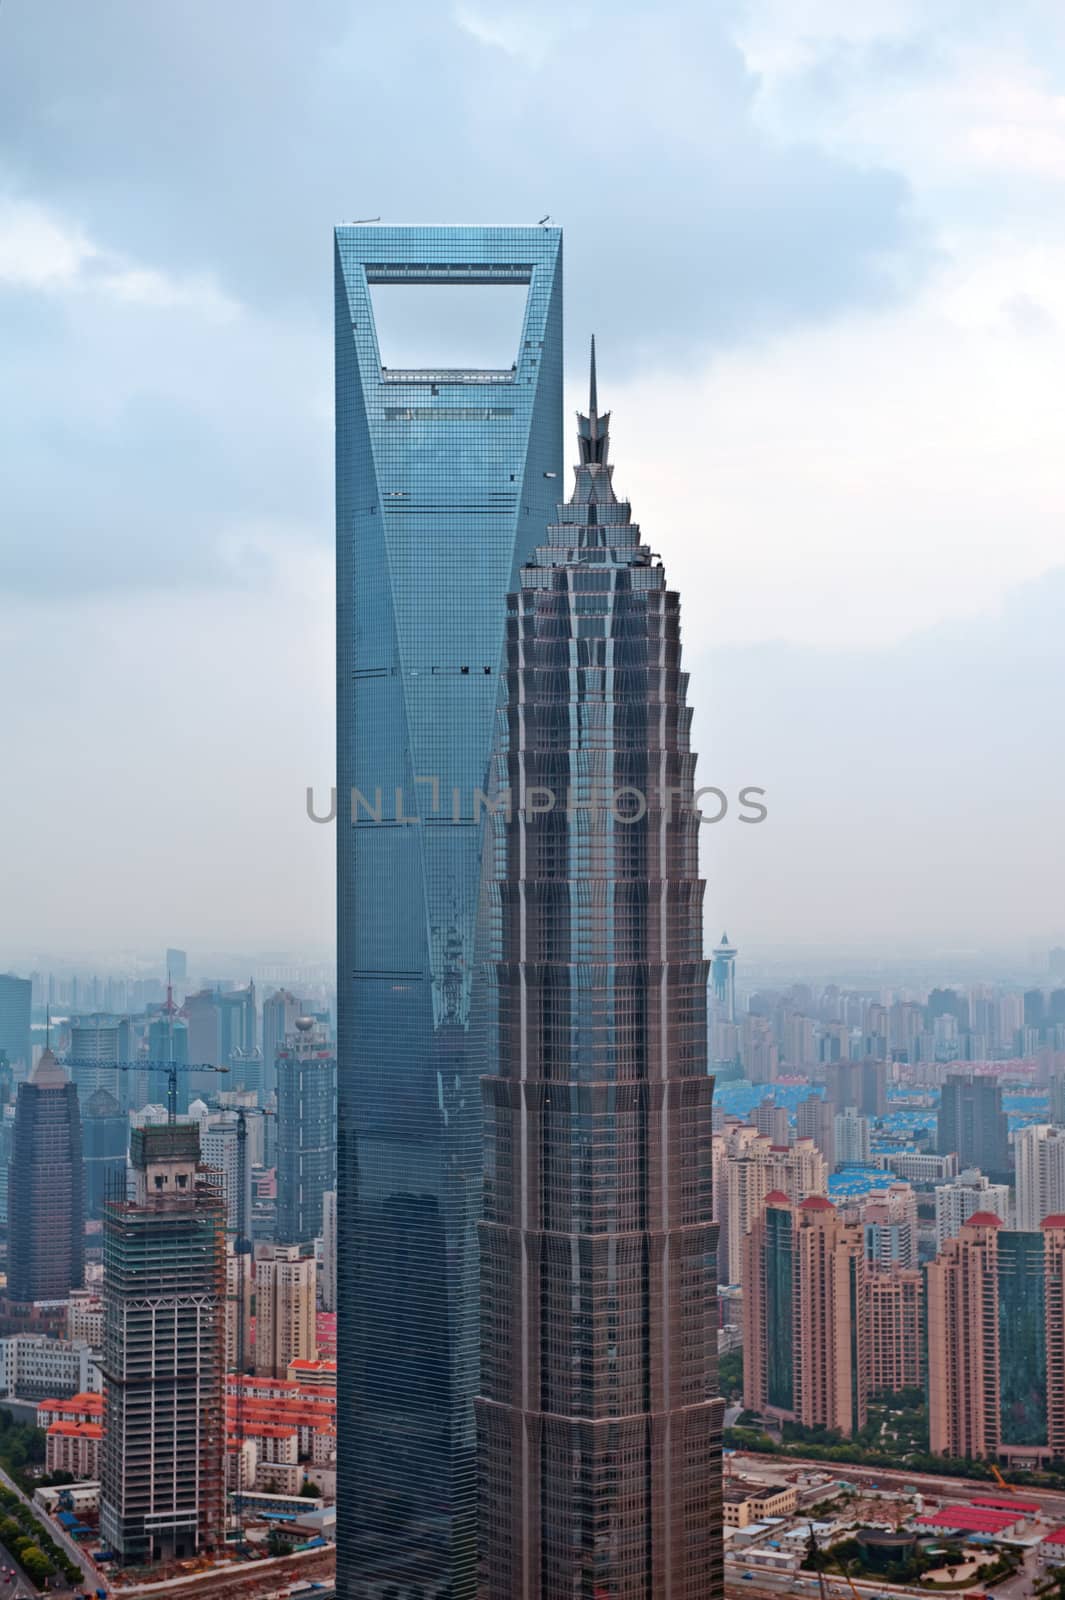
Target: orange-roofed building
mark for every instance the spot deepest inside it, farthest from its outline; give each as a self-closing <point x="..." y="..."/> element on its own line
<point x="78" y="1408"/>
<point x="313" y="1374"/>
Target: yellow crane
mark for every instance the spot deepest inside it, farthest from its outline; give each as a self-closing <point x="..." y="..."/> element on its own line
<point x="1010" y="1488"/>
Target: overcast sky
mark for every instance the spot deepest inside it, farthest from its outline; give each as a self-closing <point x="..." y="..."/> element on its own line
<point x="822" y="246"/>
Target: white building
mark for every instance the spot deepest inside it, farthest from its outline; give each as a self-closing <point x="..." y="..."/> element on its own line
<point x="1039" y="1152"/>
<point x="33" y="1366"/>
<point x="970" y="1192"/>
<point x="852" y="1137"/>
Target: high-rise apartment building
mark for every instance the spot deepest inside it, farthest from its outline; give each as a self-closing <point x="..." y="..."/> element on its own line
<point x="754" y="1167"/>
<point x="15" y="1011"/>
<point x="852" y="1137"/>
<point x="806" y="1349"/>
<point x="996" y="1346"/>
<point x="815" y="1119"/>
<point x="220" y="1149"/>
<point x="1039" y="1162"/>
<point x="306" y="1075"/>
<point x="46" y="1196"/>
<point x="599" y="1424"/>
<point x="958" y="1200"/>
<point x="889" y="1222"/>
<point x="973" y="1124"/>
<point x="286" y="1300"/>
<point x="446" y="479"/>
<point x="161" y="1493"/>
<point x="894" y="1311"/>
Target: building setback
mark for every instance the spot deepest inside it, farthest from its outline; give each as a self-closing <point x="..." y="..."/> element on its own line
<point x="445" y="481"/>
<point x="599" y="1425"/>
<point x="46" y="1199"/>
<point x="162" y="1490"/>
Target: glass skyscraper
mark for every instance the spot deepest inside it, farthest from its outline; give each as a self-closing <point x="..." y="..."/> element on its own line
<point x="599" y="1422"/>
<point x="445" y="481"/>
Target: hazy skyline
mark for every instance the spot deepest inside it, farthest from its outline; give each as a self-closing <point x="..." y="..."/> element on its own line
<point x="831" y="336"/>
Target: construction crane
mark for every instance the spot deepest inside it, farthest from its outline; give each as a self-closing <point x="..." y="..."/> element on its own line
<point x="171" y="1068"/>
<point x="242" y="1247"/>
<point x="1010" y="1488"/>
<point x="815" y="1549"/>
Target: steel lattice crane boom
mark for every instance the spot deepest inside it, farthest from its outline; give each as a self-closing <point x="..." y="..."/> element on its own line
<point x="171" y="1068"/>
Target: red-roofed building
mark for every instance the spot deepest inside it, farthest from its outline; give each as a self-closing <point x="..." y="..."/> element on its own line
<point x="970" y="1519"/>
<point x="982" y="1219"/>
<point x="1056" y="1536"/>
<point x="87" y="1407"/>
<point x="1027" y="1508"/>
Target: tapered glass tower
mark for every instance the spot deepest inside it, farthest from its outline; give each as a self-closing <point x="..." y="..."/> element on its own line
<point x="445" y="481"/>
<point x="599" y="1427"/>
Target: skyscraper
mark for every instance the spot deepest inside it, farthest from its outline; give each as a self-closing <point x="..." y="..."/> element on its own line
<point x="306" y="1131"/>
<point x="46" y="1199"/>
<point x="446" y="480"/>
<point x="280" y="1011"/>
<point x="969" y="1192"/>
<point x="104" y="1141"/>
<point x="15" y="996"/>
<point x="973" y="1123"/>
<point x="599" y="1426"/>
<point x="161" y="1491"/>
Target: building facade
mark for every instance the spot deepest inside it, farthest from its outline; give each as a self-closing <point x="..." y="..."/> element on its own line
<point x="306" y="1078"/>
<point x="46" y="1196"/>
<point x="599" y="1425"/>
<point x="162" y="1488"/>
<point x="894" y="1306"/>
<point x="446" y="479"/>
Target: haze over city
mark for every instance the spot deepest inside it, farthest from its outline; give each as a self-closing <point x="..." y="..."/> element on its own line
<point x="830" y="332"/>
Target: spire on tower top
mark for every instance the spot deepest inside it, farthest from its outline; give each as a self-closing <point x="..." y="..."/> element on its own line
<point x="593" y="430"/>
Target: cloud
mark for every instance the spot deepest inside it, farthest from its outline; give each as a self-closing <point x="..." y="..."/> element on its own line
<point x="42" y="253"/>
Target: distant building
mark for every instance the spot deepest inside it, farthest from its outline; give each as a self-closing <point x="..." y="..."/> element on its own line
<point x="220" y="1149"/>
<point x="806" y="1356"/>
<point x="973" y="1124"/>
<point x="168" y="1040"/>
<point x="750" y="1166"/>
<point x="104" y="1142"/>
<point x="280" y="1011"/>
<point x="328" y="1283"/>
<point x="306" y="1131"/>
<point x="723" y="981"/>
<point x="286" y="1295"/>
<point x="177" y="966"/>
<point x="996" y="1343"/>
<point x="15" y="1012"/>
<point x="853" y="1143"/>
<point x="46" y="1197"/>
<point x="918" y="1167"/>
<point x="815" y="1119"/>
<point x="162" y="1490"/>
<point x="220" y="1023"/>
<point x="968" y="1193"/>
<point x="96" y="1043"/>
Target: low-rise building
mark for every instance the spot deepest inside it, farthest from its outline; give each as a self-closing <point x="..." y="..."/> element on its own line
<point x="74" y="1447"/>
<point x="32" y="1366"/>
<point x="745" y="1502"/>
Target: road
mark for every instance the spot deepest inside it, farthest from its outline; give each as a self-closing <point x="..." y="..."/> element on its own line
<point x="19" y="1587"/>
<point x="1050" y="1501"/>
<point x="94" y="1579"/>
